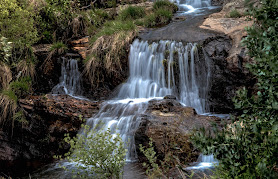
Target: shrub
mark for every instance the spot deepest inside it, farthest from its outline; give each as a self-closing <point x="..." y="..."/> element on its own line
<point x="54" y="20"/>
<point x="234" y="14"/>
<point x="5" y="50"/>
<point x="94" y="19"/>
<point x="153" y="169"/>
<point x="98" y="154"/>
<point x="132" y="13"/>
<point x="248" y="148"/>
<point x="17" y="23"/>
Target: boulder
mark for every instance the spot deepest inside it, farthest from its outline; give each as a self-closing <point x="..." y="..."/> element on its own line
<point x="169" y="125"/>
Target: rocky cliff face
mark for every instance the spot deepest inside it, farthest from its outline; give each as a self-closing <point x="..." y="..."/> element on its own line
<point x="228" y="56"/>
<point x="41" y="136"/>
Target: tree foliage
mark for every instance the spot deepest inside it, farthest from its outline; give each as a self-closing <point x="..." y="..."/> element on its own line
<point x="17" y="22"/>
<point x="248" y="148"/>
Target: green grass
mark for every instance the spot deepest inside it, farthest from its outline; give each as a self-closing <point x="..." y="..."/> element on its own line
<point x="10" y="94"/>
<point x="235" y="14"/>
<point x="58" y="45"/>
<point x="112" y="27"/>
<point x="132" y="13"/>
<point x="20" y="88"/>
<point x="160" y="17"/>
<point x="165" y="4"/>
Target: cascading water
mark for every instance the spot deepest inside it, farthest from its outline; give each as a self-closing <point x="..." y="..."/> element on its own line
<point x="156" y="70"/>
<point x="204" y="161"/>
<point x="152" y="75"/>
<point x="190" y="6"/>
<point x="70" y="79"/>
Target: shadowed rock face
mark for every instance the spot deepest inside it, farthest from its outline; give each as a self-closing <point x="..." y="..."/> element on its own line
<point x="226" y="77"/>
<point x="166" y="122"/>
<point x="48" y="119"/>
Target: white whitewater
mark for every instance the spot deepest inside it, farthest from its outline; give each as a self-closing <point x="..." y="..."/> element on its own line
<point x="154" y="70"/>
<point x="190" y="6"/>
<point x="203" y="162"/>
<point x="153" y="73"/>
<point x="70" y="81"/>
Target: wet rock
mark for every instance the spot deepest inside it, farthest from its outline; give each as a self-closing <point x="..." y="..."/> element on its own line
<point x="169" y="123"/>
<point x="228" y="60"/>
<point x="170" y="97"/>
<point x="186" y="30"/>
<point x="81" y="46"/>
<point x="217" y="2"/>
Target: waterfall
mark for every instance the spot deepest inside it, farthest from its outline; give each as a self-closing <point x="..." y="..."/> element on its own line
<point x="153" y="73"/>
<point x="70" y="79"/>
<point x="190" y="6"/>
<point x="156" y="70"/>
<point x="204" y="161"/>
<point x="122" y="117"/>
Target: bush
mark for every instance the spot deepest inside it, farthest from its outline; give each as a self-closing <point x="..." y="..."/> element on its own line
<point x="132" y="13"/>
<point x="248" y="148"/>
<point x="54" y="20"/>
<point x="17" y="23"/>
<point x="98" y="154"/>
<point x="5" y="50"/>
<point x="94" y="19"/>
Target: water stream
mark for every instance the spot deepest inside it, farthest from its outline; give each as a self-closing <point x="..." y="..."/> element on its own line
<point x="70" y="80"/>
<point x="193" y="7"/>
<point x="156" y="70"/>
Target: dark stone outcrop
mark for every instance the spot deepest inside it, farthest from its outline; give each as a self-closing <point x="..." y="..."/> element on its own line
<point x="226" y="78"/>
<point x="217" y="2"/>
<point x="41" y="136"/>
<point x="166" y="122"/>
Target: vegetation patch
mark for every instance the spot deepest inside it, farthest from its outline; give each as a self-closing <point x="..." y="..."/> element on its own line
<point x="132" y="13"/>
<point x="235" y="14"/>
<point x="96" y="154"/>
<point x="248" y="148"/>
<point x="108" y="55"/>
<point x="160" y="17"/>
<point x="165" y="4"/>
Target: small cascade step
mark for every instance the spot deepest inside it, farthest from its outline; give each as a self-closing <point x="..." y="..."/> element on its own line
<point x="70" y="80"/>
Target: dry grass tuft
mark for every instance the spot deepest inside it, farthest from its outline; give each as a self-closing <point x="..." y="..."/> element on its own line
<point x="26" y="69"/>
<point x="57" y="49"/>
<point x="78" y="26"/>
<point x="8" y="108"/>
<point x="5" y="76"/>
<point x="107" y="56"/>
